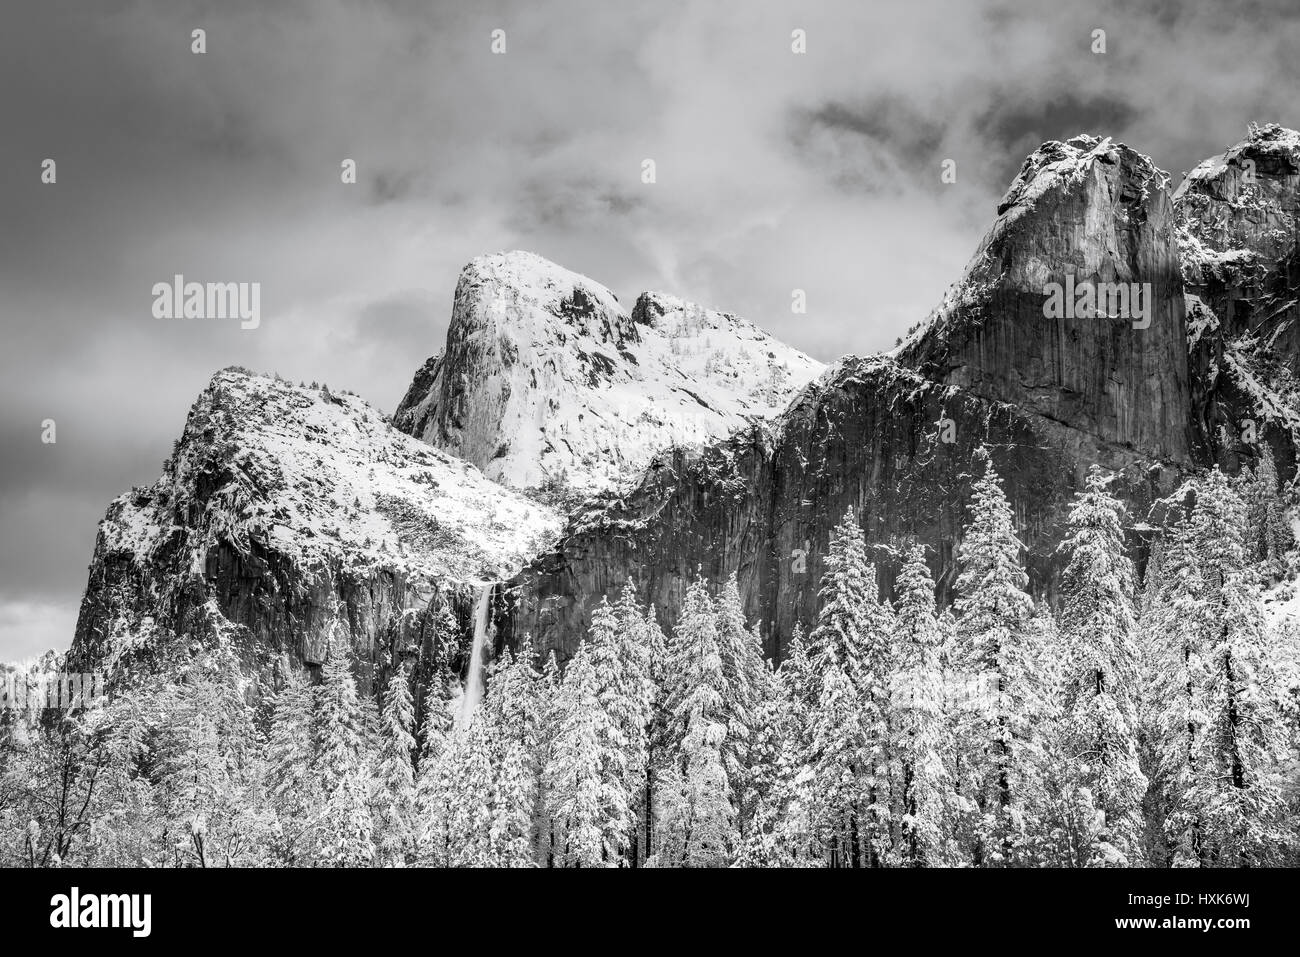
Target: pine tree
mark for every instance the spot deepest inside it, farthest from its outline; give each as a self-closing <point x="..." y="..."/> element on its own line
<point x="920" y="733"/>
<point x="852" y="638"/>
<point x="744" y="671"/>
<point x="512" y="712"/>
<point x="623" y="693"/>
<point x="293" y="781"/>
<point x="1234" y="793"/>
<point x="394" y="775"/>
<point x="345" y="835"/>
<point x="1268" y="535"/>
<point x="993" y="612"/>
<point x="699" y="820"/>
<point x="1100" y="680"/>
<point x="588" y="809"/>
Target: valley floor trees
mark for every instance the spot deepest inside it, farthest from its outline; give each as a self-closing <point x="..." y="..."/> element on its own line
<point x="1152" y="725"/>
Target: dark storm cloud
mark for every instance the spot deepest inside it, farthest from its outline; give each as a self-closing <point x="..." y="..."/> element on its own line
<point x="1016" y="128"/>
<point x="870" y="144"/>
<point x="775" y="171"/>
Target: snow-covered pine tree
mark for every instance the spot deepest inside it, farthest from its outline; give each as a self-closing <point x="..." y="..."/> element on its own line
<point x="1234" y="794"/>
<point x="623" y="690"/>
<point x="394" y="775"/>
<point x="1268" y="535"/>
<point x="644" y="649"/>
<point x="470" y="781"/>
<point x="293" y="784"/>
<point x="1097" y="628"/>
<point x="921" y="739"/>
<point x="1169" y="648"/>
<point x="993" y="610"/>
<point x="511" y="712"/>
<point x="853" y="632"/>
<point x="746" y="677"/>
<point x="588" y="810"/>
<point x="345" y="834"/>
<point x="698" y="820"/>
<point x="338" y="720"/>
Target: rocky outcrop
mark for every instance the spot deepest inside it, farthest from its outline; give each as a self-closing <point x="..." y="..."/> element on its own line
<point x="1238" y="215"/>
<point x="1083" y="218"/>
<point x="546" y="382"/>
<point x="869" y="436"/>
<point x="1050" y="392"/>
<point x="684" y="441"/>
<point x="289" y="517"/>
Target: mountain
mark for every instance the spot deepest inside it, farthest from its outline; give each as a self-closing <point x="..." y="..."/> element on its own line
<point x="560" y="445"/>
<point x="547" y="382"/>
<point x="1084" y="211"/>
<point x="1152" y="396"/>
<point x="288" y="515"/>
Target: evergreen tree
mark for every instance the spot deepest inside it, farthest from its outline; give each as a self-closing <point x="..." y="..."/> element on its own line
<point x="1098" y="625"/>
<point x="917" y="701"/>
<point x="1234" y="792"/>
<point x="993" y="613"/>
<point x="394" y="775"/>
<point x="587" y="806"/>
<point x="699" y="820"/>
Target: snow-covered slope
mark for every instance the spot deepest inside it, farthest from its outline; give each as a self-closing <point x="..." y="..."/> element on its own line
<point x="319" y="476"/>
<point x="282" y="503"/>
<point x="547" y="381"/>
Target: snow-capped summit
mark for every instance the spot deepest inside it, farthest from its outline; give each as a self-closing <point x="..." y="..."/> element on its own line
<point x="289" y="516"/>
<point x="1084" y="214"/>
<point x="1241" y="207"/>
<point x="546" y="381"/>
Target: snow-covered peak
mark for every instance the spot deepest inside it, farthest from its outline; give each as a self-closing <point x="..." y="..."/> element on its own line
<point x="1086" y="207"/>
<point x="1211" y="175"/>
<point x="547" y="382"/>
<point x="508" y="286"/>
<point x="1241" y="206"/>
<point x="321" y="480"/>
<point x="1065" y="165"/>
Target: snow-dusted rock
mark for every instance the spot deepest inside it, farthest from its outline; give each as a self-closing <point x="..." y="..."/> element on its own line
<point x="1086" y="211"/>
<point x="289" y="515"/>
<point x="547" y="382"/>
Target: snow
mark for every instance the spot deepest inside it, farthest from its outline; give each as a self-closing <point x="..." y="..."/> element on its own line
<point x="564" y="385"/>
<point x="323" y="478"/>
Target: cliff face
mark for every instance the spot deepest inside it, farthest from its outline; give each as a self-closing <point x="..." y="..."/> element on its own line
<point x="1132" y="386"/>
<point x="289" y="517"/>
<point x="1238" y="220"/>
<point x="871" y="436"/>
<point x="1088" y="218"/>
<point x="547" y="382"/>
<point x="685" y="441"/>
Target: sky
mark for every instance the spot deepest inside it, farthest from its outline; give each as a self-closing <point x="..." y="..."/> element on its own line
<point x="775" y="171"/>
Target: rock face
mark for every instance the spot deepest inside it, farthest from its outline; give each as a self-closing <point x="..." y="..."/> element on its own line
<point x="1083" y="215"/>
<point x="547" y="382"/>
<point x="1238" y="220"/>
<point x="288" y="517"/>
<point x="685" y="441"/>
<point x="868" y="436"/>
<point x="1049" y="394"/>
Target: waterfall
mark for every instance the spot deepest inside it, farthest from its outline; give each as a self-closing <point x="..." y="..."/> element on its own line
<point x="474" y="680"/>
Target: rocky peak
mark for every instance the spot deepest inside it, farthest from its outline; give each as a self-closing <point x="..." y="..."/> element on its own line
<point x="1087" y="224"/>
<point x="1240" y="208"/>
<point x="289" y="516"/>
<point x="547" y="383"/>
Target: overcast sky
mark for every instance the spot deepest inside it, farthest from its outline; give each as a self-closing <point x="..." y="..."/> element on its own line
<point x="775" y="171"/>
